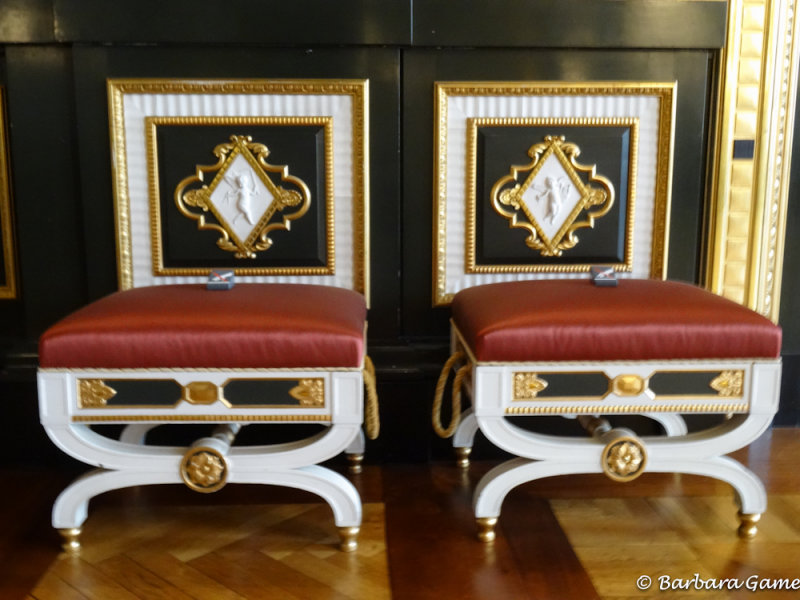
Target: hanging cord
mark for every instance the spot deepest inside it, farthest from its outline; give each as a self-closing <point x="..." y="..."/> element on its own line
<point x="455" y="417"/>
<point x="372" y="417"/>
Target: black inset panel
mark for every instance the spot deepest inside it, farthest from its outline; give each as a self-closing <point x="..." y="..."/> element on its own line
<point x="267" y="392"/>
<point x="570" y="385"/>
<point x="301" y="147"/>
<point x="688" y="383"/>
<point x="499" y="148"/>
<point x="144" y="392"/>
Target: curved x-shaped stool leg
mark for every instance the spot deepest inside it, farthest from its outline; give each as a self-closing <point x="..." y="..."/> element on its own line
<point x="124" y="464"/>
<point x="699" y="453"/>
<point x="135" y="433"/>
<point x="673" y="424"/>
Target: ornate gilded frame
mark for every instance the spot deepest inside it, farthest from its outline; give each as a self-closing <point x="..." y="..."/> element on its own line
<point x="472" y="148"/>
<point x="656" y="103"/>
<point x="151" y="123"/>
<point x="755" y="110"/>
<point x="8" y="287"/>
<point x="345" y="102"/>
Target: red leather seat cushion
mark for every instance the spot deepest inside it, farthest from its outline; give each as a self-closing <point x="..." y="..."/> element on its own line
<point x="574" y="320"/>
<point x="187" y="326"/>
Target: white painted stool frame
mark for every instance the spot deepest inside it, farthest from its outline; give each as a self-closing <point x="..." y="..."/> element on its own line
<point x="128" y="462"/>
<point x="541" y="455"/>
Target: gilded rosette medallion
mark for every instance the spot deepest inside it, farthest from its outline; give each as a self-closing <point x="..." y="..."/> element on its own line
<point x="624" y="459"/>
<point x="204" y="469"/>
<point x="247" y="196"/>
<point x="553" y="196"/>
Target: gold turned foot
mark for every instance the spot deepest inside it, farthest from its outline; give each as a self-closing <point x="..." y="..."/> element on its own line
<point x="71" y="544"/>
<point x="486" y="528"/>
<point x="462" y="456"/>
<point x="348" y="537"/>
<point x="748" y="527"/>
<point x="355" y="461"/>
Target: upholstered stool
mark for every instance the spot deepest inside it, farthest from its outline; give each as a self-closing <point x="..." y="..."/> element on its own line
<point x="646" y="347"/>
<point x="257" y="353"/>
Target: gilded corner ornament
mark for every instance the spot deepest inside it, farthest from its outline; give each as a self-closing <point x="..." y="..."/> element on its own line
<point x="728" y="383"/>
<point x="245" y="195"/>
<point x="309" y="392"/>
<point x="94" y="393"/>
<point x="527" y="386"/>
<point x="547" y="196"/>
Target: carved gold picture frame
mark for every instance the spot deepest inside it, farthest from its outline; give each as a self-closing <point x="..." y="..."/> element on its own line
<point x="8" y="286"/>
<point x="461" y="106"/>
<point x="135" y="105"/>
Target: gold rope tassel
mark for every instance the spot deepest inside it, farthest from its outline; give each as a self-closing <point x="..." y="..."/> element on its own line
<point x="372" y="417"/>
<point x="455" y="417"/>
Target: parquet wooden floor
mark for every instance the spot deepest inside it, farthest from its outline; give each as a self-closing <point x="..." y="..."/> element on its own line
<point x="221" y="552"/>
<point x="566" y="537"/>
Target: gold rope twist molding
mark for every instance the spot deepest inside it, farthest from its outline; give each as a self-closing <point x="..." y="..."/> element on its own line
<point x="455" y="417"/>
<point x="372" y="417"/>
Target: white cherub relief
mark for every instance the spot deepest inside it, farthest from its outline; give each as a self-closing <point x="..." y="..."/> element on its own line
<point x="243" y="192"/>
<point x="553" y="191"/>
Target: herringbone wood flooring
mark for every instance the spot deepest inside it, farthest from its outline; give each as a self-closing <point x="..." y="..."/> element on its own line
<point x="221" y="552"/>
<point x="565" y="537"/>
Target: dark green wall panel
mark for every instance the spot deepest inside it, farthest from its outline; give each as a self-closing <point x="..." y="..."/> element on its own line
<point x="263" y="22"/>
<point x="12" y="321"/>
<point x="571" y="23"/>
<point x="46" y="199"/>
<point x="26" y="21"/>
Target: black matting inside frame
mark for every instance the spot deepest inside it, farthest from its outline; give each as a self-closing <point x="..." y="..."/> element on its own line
<point x="181" y="148"/>
<point x="498" y="148"/>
